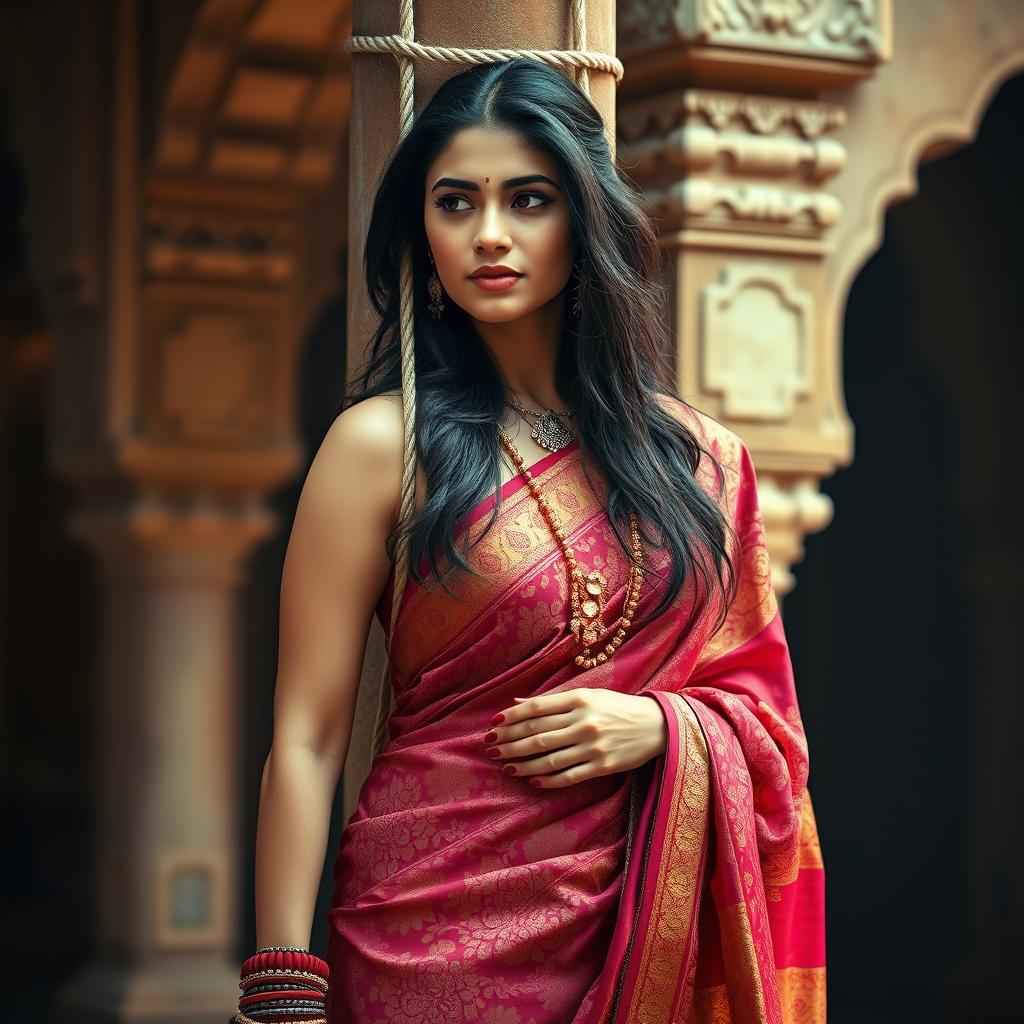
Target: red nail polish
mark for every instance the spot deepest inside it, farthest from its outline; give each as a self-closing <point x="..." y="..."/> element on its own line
<point x="490" y="737"/>
<point x="493" y="752"/>
<point x="534" y="782"/>
<point x="498" y="719"/>
<point x="510" y="769"/>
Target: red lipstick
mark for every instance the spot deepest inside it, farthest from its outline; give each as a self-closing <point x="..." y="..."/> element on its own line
<point x="495" y="277"/>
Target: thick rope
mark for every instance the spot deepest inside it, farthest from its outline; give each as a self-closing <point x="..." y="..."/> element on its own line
<point x="406" y="51"/>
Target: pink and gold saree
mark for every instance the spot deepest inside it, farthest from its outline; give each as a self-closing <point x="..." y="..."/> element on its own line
<point x="688" y="890"/>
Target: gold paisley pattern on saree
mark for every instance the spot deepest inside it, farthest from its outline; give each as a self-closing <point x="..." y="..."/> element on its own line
<point x="679" y="878"/>
<point x="436" y="988"/>
<point x="802" y="990"/>
<point x="803" y="994"/>
<point x="509" y="554"/>
<point x="391" y="840"/>
<point x="781" y="860"/>
<point x="740" y="960"/>
<point x="748" y="929"/>
<point x="785" y="870"/>
<point x="510" y="916"/>
<point x="810" y="846"/>
<point x="755" y="604"/>
<point x="784" y="729"/>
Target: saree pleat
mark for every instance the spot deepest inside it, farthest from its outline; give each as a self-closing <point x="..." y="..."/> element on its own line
<point x="689" y="889"/>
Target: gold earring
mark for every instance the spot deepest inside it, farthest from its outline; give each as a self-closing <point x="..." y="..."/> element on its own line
<point x="577" y="302"/>
<point x="436" y="304"/>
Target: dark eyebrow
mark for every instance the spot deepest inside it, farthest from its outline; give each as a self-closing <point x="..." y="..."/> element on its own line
<point x="472" y="186"/>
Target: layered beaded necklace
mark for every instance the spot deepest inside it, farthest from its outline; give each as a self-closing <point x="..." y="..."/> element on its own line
<point x="587" y="592"/>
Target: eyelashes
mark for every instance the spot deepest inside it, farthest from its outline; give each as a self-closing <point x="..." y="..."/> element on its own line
<point x="544" y="201"/>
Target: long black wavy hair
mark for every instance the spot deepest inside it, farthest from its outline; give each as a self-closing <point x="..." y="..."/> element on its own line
<point x="611" y="363"/>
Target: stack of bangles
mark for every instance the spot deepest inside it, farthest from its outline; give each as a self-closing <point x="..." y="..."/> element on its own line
<point x="283" y="985"/>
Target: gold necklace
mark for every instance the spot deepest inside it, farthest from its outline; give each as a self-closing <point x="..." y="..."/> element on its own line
<point x="586" y="592"/>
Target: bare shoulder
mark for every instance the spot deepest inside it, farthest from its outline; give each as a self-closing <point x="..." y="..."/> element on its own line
<point x="368" y="432"/>
<point x="364" y="449"/>
<point x="359" y="461"/>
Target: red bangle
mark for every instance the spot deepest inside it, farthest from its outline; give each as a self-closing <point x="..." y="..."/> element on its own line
<point x="287" y="961"/>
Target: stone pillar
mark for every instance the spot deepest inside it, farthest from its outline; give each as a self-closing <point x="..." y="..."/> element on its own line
<point x="168" y="851"/>
<point x="737" y="170"/>
<point x="374" y="132"/>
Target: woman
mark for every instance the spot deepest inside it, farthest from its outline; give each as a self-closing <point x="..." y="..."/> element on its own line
<point x="591" y="805"/>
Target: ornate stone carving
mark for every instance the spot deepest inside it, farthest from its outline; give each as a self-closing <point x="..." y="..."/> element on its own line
<point x="642" y="23"/>
<point x="755" y="333"/>
<point x="837" y="28"/>
<point x="829" y="40"/>
<point x="692" y="201"/>
<point x="763" y="115"/>
<point x="207" y="243"/>
<point x="731" y="161"/>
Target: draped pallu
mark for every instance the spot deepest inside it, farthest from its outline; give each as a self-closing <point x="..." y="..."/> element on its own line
<point x="689" y="889"/>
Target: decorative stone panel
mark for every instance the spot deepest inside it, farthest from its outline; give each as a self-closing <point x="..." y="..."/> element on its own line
<point x="761" y="325"/>
<point x="212" y="377"/>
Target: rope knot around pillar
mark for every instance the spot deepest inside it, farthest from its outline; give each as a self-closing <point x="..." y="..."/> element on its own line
<point x="564" y="60"/>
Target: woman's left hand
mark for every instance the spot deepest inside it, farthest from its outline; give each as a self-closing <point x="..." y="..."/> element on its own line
<point x="578" y="734"/>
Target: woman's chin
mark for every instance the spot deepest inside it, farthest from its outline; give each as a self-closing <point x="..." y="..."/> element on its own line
<point x="497" y="312"/>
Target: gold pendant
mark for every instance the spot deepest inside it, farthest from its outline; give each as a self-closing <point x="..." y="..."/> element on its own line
<point x="590" y="594"/>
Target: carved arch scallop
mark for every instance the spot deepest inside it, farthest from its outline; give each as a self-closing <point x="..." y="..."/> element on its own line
<point x="912" y="110"/>
<point x="929" y="134"/>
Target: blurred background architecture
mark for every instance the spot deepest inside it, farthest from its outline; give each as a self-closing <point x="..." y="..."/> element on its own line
<point x="184" y="188"/>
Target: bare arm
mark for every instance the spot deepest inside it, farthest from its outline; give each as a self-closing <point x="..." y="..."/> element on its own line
<point x="334" y="571"/>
